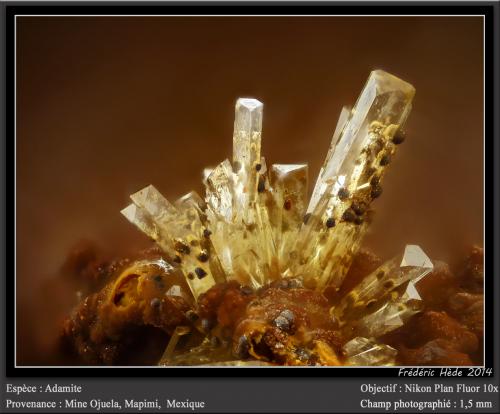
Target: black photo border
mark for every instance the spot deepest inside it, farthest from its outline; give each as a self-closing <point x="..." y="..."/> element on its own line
<point x="488" y="9"/>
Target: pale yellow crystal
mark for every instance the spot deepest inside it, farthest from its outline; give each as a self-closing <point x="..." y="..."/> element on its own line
<point x="322" y="183"/>
<point x="385" y="299"/>
<point x="152" y="201"/>
<point x="246" y="155"/>
<point x="391" y="315"/>
<point x="236" y="203"/>
<point x="219" y="192"/>
<point x="289" y="184"/>
<point x="145" y="223"/>
<point x="412" y="265"/>
<point x="352" y="173"/>
<point x="180" y="231"/>
<point x="191" y="199"/>
<point x="361" y="351"/>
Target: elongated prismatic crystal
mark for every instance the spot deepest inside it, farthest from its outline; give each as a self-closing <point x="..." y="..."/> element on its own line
<point x="387" y="297"/>
<point x="246" y="155"/>
<point x="411" y="266"/>
<point x="236" y="203"/>
<point x="363" y="145"/>
<point x="178" y="231"/>
<point x="289" y="183"/>
<point x="255" y="225"/>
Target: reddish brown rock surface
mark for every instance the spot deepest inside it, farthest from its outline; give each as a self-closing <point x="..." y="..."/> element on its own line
<point x="281" y="323"/>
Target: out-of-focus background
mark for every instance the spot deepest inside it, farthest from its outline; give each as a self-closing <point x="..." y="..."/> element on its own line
<point x="107" y="105"/>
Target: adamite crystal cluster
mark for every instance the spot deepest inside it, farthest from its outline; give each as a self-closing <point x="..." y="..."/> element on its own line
<point x="256" y="226"/>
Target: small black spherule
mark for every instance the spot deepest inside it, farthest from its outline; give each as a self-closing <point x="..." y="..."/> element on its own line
<point x="288" y="314"/>
<point x="200" y="272"/>
<point x="385" y="160"/>
<point x="389" y="284"/>
<point x="287" y="205"/>
<point x="206" y="233"/>
<point x="258" y="167"/>
<point x="262" y="185"/>
<point x="177" y="259"/>
<point x="282" y="323"/>
<point x="155" y="303"/>
<point x="358" y="207"/>
<point x="330" y="222"/>
<point x="285" y="321"/>
<point x="246" y="290"/>
<point x="349" y="215"/>
<point x="236" y="166"/>
<point x="376" y="191"/>
<point x="182" y="247"/>
<point x="307" y="217"/>
<point x="343" y="193"/>
<point x="251" y="227"/>
<point x="192" y="315"/>
<point x="399" y="138"/>
<point x="203" y="257"/>
<point x="375" y="180"/>
<point x="370" y="171"/>
<point x="190" y="276"/>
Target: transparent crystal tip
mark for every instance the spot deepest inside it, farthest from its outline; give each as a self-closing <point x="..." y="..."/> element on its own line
<point x="389" y="83"/>
<point x="130" y="212"/>
<point x="415" y="256"/>
<point x="249" y="103"/>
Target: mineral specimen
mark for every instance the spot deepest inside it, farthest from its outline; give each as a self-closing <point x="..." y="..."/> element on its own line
<point x="255" y="226"/>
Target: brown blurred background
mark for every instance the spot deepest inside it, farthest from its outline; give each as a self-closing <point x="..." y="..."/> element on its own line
<point x="108" y="105"/>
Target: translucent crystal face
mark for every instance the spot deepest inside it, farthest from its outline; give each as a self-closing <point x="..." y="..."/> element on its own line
<point x="385" y="299"/>
<point x="256" y="225"/>
<point x="257" y="220"/>
<point x="179" y="231"/>
<point x="289" y="184"/>
<point x="246" y="154"/>
<point x="366" y="352"/>
<point x="362" y="147"/>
